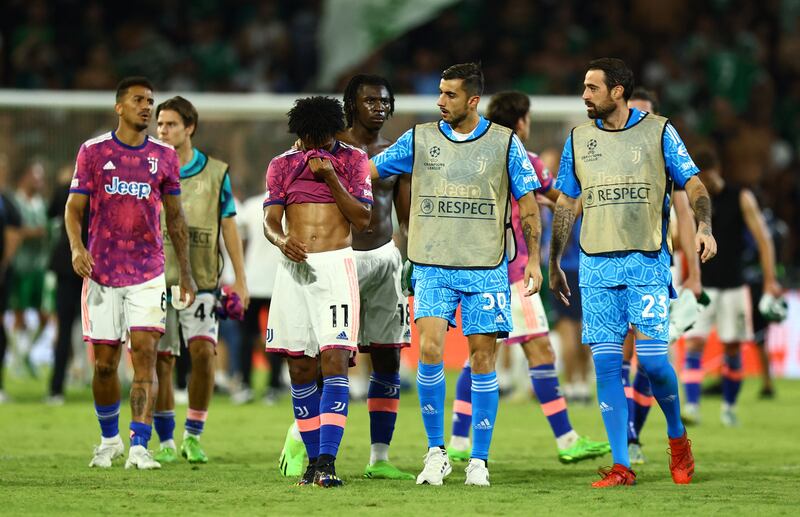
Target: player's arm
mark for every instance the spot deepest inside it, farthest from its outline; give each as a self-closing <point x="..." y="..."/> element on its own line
<point x="356" y="212"/>
<point x="82" y="261"/>
<point x="531" y="223"/>
<point x="563" y="219"/>
<point x="686" y="236"/>
<point x="402" y="205"/>
<point x="179" y="235"/>
<point x="233" y="243"/>
<point x="397" y="159"/>
<point x="294" y="249"/>
<point x="704" y="242"/>
<point x="754" y="220"/>
<point x="12" y="237"/>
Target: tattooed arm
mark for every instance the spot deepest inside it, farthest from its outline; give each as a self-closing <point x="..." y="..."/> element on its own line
<point x="179" y="235"/>
<point x="701" y="205"/>
<point x="563" y="219"/>
<point x="530" y="219"/>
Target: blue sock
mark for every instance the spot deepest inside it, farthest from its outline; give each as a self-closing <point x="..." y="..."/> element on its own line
<point x="431" y="390"/>
<point x="545" y="384"/>
<point x="611" y="398"/>
<point x="305" y="401"/>
<point x="485" y="399"/>
<point x="462" y="405"/>
<point x="731" y="378"/>
<point x="626" y="385"/>
<point x="108" y="416"/>
<point x="692" y="376"/>
<point x="383" y="400"/>
<point x="140" y="434"/>
<point x="653" y="357"/>
<point x="642" y="399"/>
<point x="164" y="422"/>
<point x="333" y="413"/>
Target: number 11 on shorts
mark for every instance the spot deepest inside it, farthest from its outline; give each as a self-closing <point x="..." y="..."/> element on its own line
<point x="334" y="314"/>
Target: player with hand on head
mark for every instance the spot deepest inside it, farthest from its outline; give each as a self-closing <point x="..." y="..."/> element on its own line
<point x="323" y="192"/>
<point x="531" y="330"/>
<point x="464" y="168"/>
<point x="615" y="167"/>
<point x="209" y="208"/>
<point x="124" y="176"/>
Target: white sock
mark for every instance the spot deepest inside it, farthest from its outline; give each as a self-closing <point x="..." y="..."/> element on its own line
<point x="460" y="442"/>
<point x="110" y="441"/>
<point x="378" y="452"/>
<point x="168" y="444"/>
<point x="187" y="434"/>
<point x="567" y="440"/>
<point x="295" y="432"/>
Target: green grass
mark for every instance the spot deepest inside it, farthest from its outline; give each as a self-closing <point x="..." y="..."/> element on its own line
<point x="44" y="453"/>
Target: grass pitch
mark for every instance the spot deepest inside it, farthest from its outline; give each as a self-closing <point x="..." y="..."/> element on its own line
<point x="44" y="453"/>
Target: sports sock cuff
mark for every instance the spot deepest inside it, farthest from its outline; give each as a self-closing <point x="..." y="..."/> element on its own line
<point x="430" y="374"/>
<point x="301" y="391"/>
<point x="164" y="414"/>
<point x="108" y="411"/>
<point x="484" y="382"/>
<point x="196" y="414"/>
<point x="336" y="380"/>
<point x="543" y="371"/>
<point x="606" y="349"/>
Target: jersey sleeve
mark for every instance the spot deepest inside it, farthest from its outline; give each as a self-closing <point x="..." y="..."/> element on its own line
<point x="680" y="165"/>
<point x="398" y="158"/>
<point x="82" y="178"/>
<point x="567" y="181"/>
<point x="227" y="203"/>
<point x="171" y="186"/>
<point x="542" y="173"/>
<point x="276" y="191"/>
<point x="520" y="170"/>
<point x="360" y="182"/>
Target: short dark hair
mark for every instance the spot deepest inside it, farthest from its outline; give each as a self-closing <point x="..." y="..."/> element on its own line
<point x="183" y="108"/>
<point x="351" y="92"/>
<point x="122" y="87"/>
<point x="506" y="108"/>
<point x="617" y="74"/>
<point x="643" y="94"/>
<point x="706" y="158"/>
<point x="471" y="75"/>
<point x="316" y="118"/>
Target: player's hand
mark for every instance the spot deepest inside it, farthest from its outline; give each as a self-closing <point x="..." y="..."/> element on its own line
<point x="704" y="243"/>
<point x="294" y="249"/>
<point x="322" y="168"/>
<point x="558" y="284"/>
<point x="773" y="288"/>
<point x="298" y="145"/>
<point x="240" y="289"/>
<point x="533" y="279"/>
<point x="694" y="285"/>
<point x="82" y="262"/>
<point x="188" y="289"/>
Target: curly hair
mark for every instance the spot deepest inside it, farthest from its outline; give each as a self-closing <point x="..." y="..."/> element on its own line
<point x="351" y="94"/>
<point x="316" y="118"/>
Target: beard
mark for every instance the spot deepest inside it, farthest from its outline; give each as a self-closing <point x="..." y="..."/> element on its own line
<point x="601" y="111"/>
<point x="455" y="120"/>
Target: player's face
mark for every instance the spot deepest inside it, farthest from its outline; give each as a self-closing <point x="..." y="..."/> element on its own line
<point x="454" y="103"/>
<point x="641" y="105"/>
<point x="372" y="106"/>
<point x="136" y="107"/>
<point x="524" y="127"/>
<point x="171" y="128"/>
<point x="596" y="95"/>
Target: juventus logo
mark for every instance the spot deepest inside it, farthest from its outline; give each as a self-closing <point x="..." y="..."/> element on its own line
<point x="301" y="411"/>
<point x="636" y="151"/>
<point x="339" y="406"/>
<point x="392" y="391"/>
<point x="270" y="334"/>
<point x="153" y="161"/>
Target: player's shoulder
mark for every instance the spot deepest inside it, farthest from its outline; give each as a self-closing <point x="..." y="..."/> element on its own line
<point x="351" y="149"/>
<point x="162" y="143"/>
<point x="92" y="142"/>
<point x="283" y="159"/>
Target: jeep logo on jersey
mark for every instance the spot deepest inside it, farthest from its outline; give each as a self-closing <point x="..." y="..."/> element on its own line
<point x="128" y="188"/>
<point x="153" y="161"/>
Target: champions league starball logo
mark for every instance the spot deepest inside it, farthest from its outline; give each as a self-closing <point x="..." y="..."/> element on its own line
<point x="434" y="151"/>
<point x="591" y="145"/>
<point x="426" y="206"/>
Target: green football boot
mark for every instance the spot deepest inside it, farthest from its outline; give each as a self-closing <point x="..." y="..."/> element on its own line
<point x="293" y="456"/>
<point x="385" y="470"/>
<point x="191" y="450"/>
<point x="583" y="449"/>
<point x="458" y="454"/>
<point x="166" y="455"/>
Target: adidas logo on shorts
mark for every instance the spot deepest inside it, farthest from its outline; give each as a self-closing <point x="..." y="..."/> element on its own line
<point x="484" y="425"/>
<point x="428" y="409"/>
<point x="605" y="407"/>
<point x="342" y="335"/>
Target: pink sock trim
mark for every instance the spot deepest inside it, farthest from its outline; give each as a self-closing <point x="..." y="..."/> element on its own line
<point x="196" y="414"/>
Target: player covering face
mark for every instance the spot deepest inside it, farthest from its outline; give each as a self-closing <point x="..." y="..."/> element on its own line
<point x="322" y="191"/>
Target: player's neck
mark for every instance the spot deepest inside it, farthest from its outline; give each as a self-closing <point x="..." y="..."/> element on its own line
<point x="617" y="119"/>
<point x="467" y="125"/>
<point x="185" y="152"/>
<point x="362" y="135"/>
<point x="130" y="136"/>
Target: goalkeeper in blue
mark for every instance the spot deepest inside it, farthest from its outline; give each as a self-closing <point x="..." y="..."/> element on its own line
<point x="464" y="168"/>
<point x="621" y="167"/>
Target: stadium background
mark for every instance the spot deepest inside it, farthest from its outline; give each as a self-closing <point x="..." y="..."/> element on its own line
<point x="727" y="73"/>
